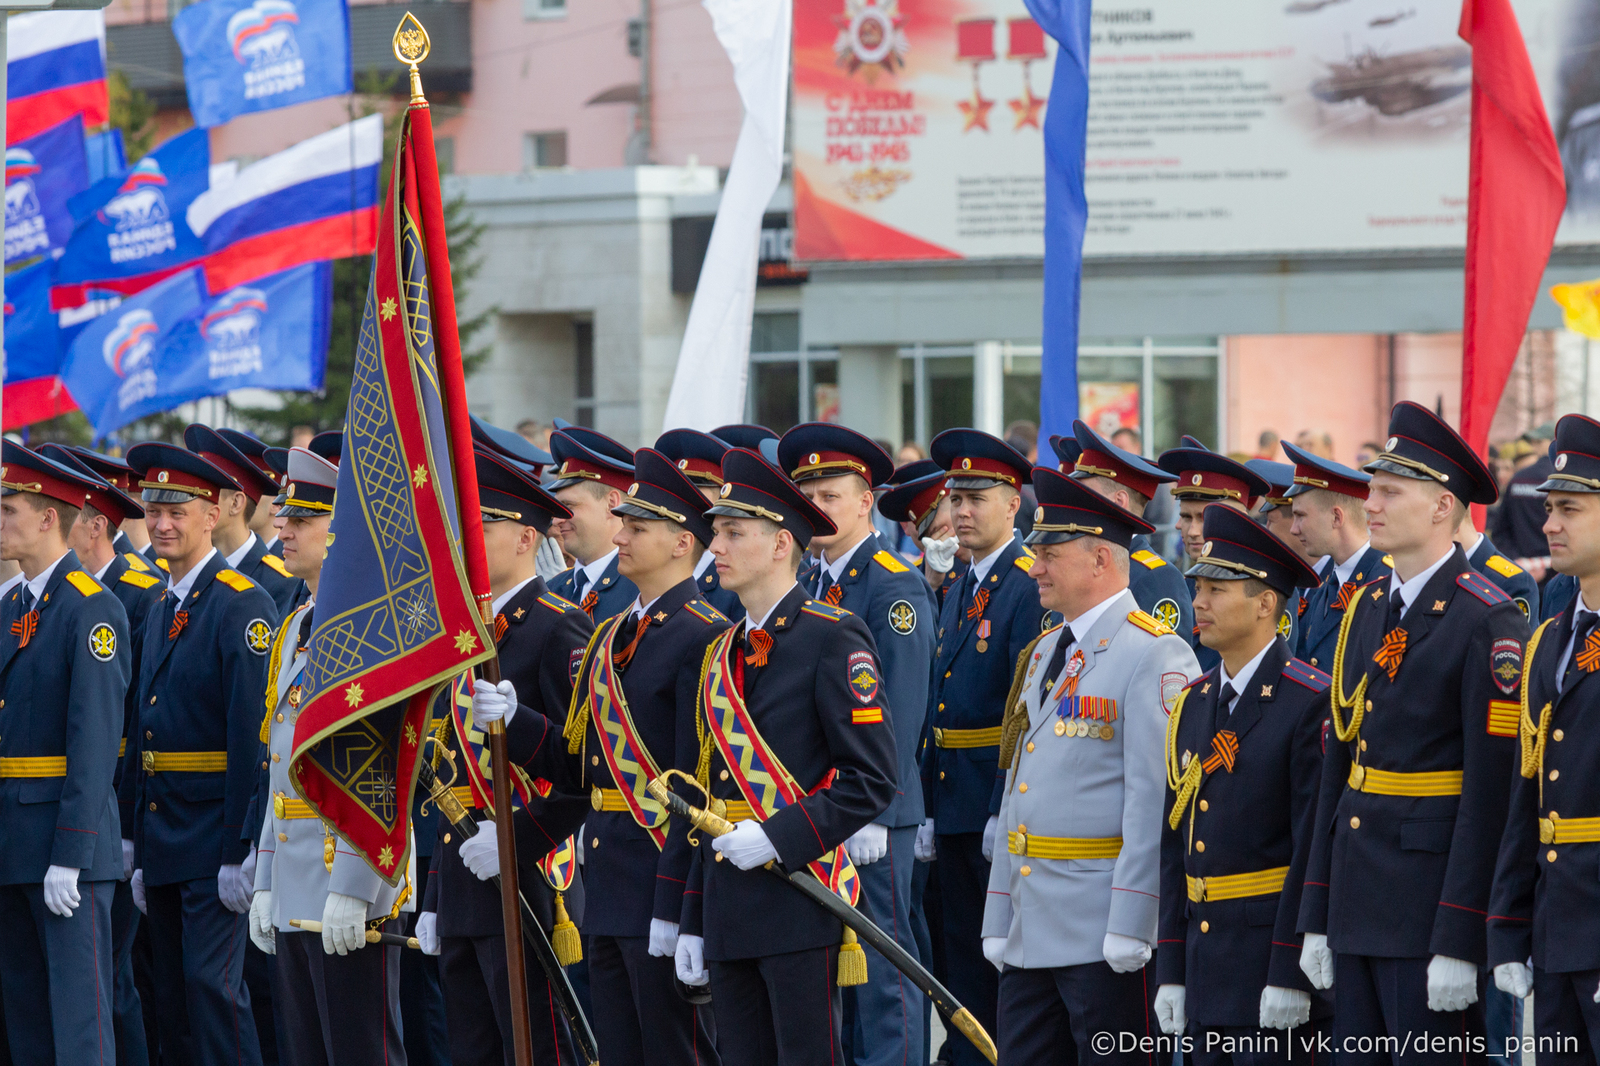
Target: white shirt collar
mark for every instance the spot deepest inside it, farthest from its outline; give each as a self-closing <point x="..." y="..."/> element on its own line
<point x="1348" y="567"/>
<point x="981" y="567"/>
<point x="181" y="588"/>
<point x="1470" y="548"/>
<point x="504" y="598"/>
<point x="637" y="611"/>
<point x="1243" y="680"/>
<point x="36" y="586"/>
<point x="1081" y="625"/>
<point x="836" y="568"/>
<point x="100" y="575"/>
<point x="751" y="623"/>
<point x="237" y="556"/>
<point x="592" y="571"/>
<point x="705" y="563"/>
<point x="1408" y="591"/>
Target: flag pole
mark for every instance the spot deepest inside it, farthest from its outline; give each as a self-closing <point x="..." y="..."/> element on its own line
<point x="411" y="47"/>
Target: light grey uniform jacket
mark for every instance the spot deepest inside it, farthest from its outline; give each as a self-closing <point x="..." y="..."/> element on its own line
<point x="1056" y="912"/>
<point x="289" y="856"/>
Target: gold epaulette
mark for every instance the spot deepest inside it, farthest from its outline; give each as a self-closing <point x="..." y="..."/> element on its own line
<point x="162" y="563"/>
<point x="704" y="611"/>
<point x="276" y="565"/>
<point x="823" y="610"/>
<point x="1502" y="566"/>
<point x="235" y="580"/>
<point x="890" y="563"/>
<point x="1149" y="623"/>
<point x="1388" y="560"/>
<point x="1149" y="559"/>
<point x="556" y="603"/>
<point x="1024" y="561"/>
<point x="83" y="582"/>
<point x="136" y="561"/>
<point x="138" y="580"/>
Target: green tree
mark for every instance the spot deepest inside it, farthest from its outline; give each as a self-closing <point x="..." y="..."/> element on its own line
<point x="133" y="113"/>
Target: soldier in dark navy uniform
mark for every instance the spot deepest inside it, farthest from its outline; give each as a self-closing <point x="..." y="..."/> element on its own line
<point x="699" y="456"/>
<point x="1204" y="478"/>
<point x="195" y="750"/>
<point x="261" y="523"/>
<point x="1275" y="510"/>
<point x="837" y="469"/>
<point x="744" y="435"/>
<point x="540" y="639"/>
<point x="810" y="684"/>
<point x="1486" y="559"/>
<point x="593" y="474"/>
<point x="635" y="871"/>
<point x="1546" y="898"/>
<point x="64" y="669"/>
<point x="1330" y="520"/>
<point x="132" y="539"/>
<point x="1244" y="762"/>
<point x="1130" y="481"/>
<point x="1418" y="767"/>
<point x="985" y="623"/>
<point x="234" y="536"/>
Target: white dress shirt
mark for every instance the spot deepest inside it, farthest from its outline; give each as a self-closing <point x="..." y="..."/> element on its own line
<point x="1239" y="683"/>
<point x="42" y="578"/>
<point x="237" y="556"/>
<point x="181" y="588"/>
<point x="1408" y="591"/>
<point x="592" y="571"/>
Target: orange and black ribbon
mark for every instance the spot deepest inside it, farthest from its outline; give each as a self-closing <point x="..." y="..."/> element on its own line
<point x="760" y="645"/>
<point x="24" y="628"/>
<point x="834" y="594"/>
<point x="1391" y="651"/>
<point x="1347" y="592"/>
<point x="1224" y="748"/>
<point x="1587" y="659"/>
<point x="179" y="620"/>
<point x="979" y="604"/>
<point x="1300" y="610"/>
<point x="625" y="656"/>
<point x="591" y="600"/>
<point x="500" y="627"/>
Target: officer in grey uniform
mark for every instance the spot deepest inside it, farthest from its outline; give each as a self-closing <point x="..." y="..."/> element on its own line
<point x="1071" y="912"/>
<point x="340" y="998"/>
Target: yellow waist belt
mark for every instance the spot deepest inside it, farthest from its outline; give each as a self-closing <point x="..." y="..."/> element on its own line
<point x="1388" y="783"/>
<point x="289" y="810"/>
<point x="967" y="738"/>
<point x="34" y="766"/>
<point x="1237" y="886"/>
<point x="122" y="749"/>
<point x="608" y="799"/>
<point x="200" y="762"/>
<point x="1552" y="830"/>
<point x="1031" y="846"/>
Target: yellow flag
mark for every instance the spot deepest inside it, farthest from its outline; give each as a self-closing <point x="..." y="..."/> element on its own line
<point x="1580" y="306"/>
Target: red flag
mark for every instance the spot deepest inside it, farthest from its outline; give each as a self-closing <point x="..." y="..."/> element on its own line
<point x="1515" y="196"/>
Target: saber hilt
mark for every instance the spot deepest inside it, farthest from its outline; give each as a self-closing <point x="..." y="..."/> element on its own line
<point x="306" y="925"/>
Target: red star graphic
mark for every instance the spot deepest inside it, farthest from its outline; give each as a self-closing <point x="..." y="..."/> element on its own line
<point x="977" y="112"/>
<point x="1026" y="110"/>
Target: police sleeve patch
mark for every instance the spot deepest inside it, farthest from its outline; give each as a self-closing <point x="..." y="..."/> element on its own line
<point x="1505" y="664"/>
<point x="103" y="643"/>
<point x="1166" y="612"/>
<point x="258" y="636"/>
<point x="903" y="617"/>
<point x="863" y="677"/>
<point x="574" y="664"/>
<point x="1522" y="605"/>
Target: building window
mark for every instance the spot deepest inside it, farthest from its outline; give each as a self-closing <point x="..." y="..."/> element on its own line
<point x="544" y="9"/>
<point x="778" y="332"/>
<point x="583" y="372"/>
<point x="775" y="394"/>
<point x="547" y="149"/>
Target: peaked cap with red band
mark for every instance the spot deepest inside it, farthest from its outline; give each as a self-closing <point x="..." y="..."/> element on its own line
<point x="815" y="450"/>
<point x="754" y="488"/>
<point x="22" y="470"/>
<point x="583" y="455"/>
<point x="106" y="498"/>
<point x="1205" y="475"/>
<point x="221" y="453"/>
<point x="978" y="460"/>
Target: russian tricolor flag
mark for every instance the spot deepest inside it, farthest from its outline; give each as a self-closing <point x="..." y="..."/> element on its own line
<point x="55" y="68"/>
<point x="317" y="200"/>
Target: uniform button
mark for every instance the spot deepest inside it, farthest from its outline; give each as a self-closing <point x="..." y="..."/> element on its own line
<point x="1022" y="787"/>
<point x="595" y="842"/>
<point x="1199" y="845"/>
<point x="719" y="856"/>
<point x="447" y="838"/>
<point x="723" y="776"/>
<point x="941" y="775"/>
<point x="280" y="716"/>
<point x="152" y="805"/>
<point x="1030" y="745"/>
<point x="1204" y="806"/>
<point x="941" y="707"/>
<point x="1355" y="823"/>
<point x="1551" y="855"/>
<point x="1205" y="927"/>
<point x="152" y="701"/>
<point x="1554" y="774"/>
<point x="594" y="760"/>
<point x="1313" y="662"/>
<point x="276" y="757"/>
<point x="263" y="764"/>
<point x="1556" y="735"/>
<point x="1026" y="870"/>
<point x="149" y="735"/>
<point x="947" y="673"/>
<point x="283" y="837"/>
<point x="1369" y="705"/>
<point x="1363" y="745"/>
<point x="1021" y="828"/>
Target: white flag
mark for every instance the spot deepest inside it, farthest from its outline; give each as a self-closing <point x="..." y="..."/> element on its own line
<point x="713" y="364"/>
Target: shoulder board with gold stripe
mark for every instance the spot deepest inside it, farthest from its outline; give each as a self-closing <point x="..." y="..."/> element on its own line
<point x="705" y="612"/>
<point x="235" y="580"/>
<point x="136" y="561"/>
<point x="1307" y="675"/>
<point x="823" y="610"/>
<point x="556" y="603"/>
<point x="138" y="580"/>
<point x="1145" y="557"/>
<point x="276" y="565"/>
<point x="890" y="563"/>
<point x="1148" y="623"/>
<point x="83" y="583"/>
<point x="163" y="564"/>
<point x="1482" y="588"/>
<point x="1502" y="566"/>
<point x="1024" y="562"/>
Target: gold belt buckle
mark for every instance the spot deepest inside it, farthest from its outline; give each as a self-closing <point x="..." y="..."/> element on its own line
<point x="148" y="758"/>
<point x="1547" y="831"/>
<point x="1022" y="844"/>
<point x="597" y="798"/>
<point x="1358" y="776"/>
<point x="1200" y="882"/>
<point x="277" y="806"/>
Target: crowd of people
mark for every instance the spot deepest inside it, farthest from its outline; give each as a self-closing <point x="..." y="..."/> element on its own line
<point x="1315" y="783"/>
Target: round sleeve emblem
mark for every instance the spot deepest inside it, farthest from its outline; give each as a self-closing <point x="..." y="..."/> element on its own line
<point x="103" y="643"/>
<point x="1166" y="612"/>
<point x="1285" y="625"/>
<point x="903" y="617"/>
<point x="258" y="636"/>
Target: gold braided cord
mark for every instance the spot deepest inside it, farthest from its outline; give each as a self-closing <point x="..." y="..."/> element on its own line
<point x="273" y="664"/>
<point x="702" y="767"/>
<point x="1357" y="704"/>
<point x="1530" y="735"/>
<point x="577" y="727"/>
<point x="1183" y="780"/>
<point x="1015" y="718"/>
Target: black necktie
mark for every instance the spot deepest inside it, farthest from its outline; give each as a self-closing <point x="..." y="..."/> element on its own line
<point x="27" y="599"/>
<point x="1225" y="700"/>
<point x="1582" y="626"/>
<point x="1058" y="661"/>
<point x="1396" y="606"/>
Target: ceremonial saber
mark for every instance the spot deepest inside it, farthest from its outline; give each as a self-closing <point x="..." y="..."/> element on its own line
<point x="464" y="822"/>
<point x="864" y="927"/>
<point x="373" y="936"/>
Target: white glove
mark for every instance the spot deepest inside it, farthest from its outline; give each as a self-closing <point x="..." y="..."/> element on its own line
<point x="994" y="949"/>
<point x="481" y="854"/>
<point x="1169" y="1009"/>
<point x="923" y="850"/>
<point x="663" y="938"/>
<point x="940" y="555"/>
<point x="262" y="935"/>
<point x="127" y="859"/>
<point x="1284" y="1008"/>
<point x="247" y="872"/>
<point x="230" y="888"/>
<point x="1125" y="953"/>
<point x="1316" y="961"/>
<point x="427" y="932"/>
<point x="988" y="837"/>
<point x="1515" y="979"/>
<point x="344" y="924"/>
<point x="1452" y="984"/>
<point x="690" y="960"/>
<point x="493" y="703"/>
<point x="746" y="847"/>
<point x="581" y="828"/>
<point x="61" y="890"/>
<point x="869" y="844"/>
<point x="136" y="883"/>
